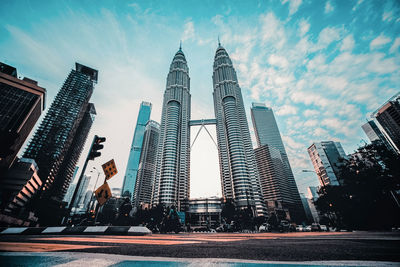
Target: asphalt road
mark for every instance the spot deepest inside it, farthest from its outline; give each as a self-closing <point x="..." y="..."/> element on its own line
<point x="365" y="246"/>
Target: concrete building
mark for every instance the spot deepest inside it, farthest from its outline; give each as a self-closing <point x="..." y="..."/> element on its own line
<point x="325" y="157"/>
<point x="132" y="167"/>
<point x="276" y="176"/>
<point x="21" y="103"/>
<point x="172" y="178"/>
<point x="58" y="142"/>
<point x="147" y="165"/>
<point x="239" y="175"/>
<point x="18" y="186"/>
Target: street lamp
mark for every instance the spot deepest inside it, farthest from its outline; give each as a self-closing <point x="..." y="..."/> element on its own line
<point x="91" y="203"/>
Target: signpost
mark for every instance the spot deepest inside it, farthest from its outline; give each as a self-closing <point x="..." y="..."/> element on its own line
<point x="109" y="169"/>
<point x="103" y="193"/>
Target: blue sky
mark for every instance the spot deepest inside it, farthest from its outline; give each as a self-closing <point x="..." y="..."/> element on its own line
<point x="323" y="66"/>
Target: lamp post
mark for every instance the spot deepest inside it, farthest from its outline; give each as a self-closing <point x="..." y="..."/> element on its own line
<point x="90" y="206"/>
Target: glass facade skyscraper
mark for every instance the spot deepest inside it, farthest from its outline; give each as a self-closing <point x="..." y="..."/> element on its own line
<point x="325" y="157"/>
<point x="59" y="140"/>
<point x="132" y="167"/>
<point x="281" y="185"/>
<point x="239" y="175"/>
<point x="375" y="135"/>
<point x="147" y="165"/>
<point x="172" y="182"/>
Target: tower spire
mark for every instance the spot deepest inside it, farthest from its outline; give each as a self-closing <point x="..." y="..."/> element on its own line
<point x="219" y="43"/>
<point x="180" y="45"/>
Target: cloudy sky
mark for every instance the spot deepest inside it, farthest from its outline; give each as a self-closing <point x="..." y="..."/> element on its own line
<point x="323" y="66"/>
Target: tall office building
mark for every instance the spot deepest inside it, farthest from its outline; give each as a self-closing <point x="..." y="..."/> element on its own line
<point x="132" y="167"/>
<point x="58" y="142"/>
<point x="147" y="165"/>
<point x="325" y="157"/>
<point x="172" y="182"/>
<point x="388" y="116"/>
<point x="21" y="103"/>
<point x="239" y="175"/>
<point x="276" y="174"/>
<point x="375" y="135"/>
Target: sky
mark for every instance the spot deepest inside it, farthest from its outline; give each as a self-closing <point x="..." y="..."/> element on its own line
<point x="323" y="66"/>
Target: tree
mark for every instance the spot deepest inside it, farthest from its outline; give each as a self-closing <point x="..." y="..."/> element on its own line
<point x="366" y="198"/>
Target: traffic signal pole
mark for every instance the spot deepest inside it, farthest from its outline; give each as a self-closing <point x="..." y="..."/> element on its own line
<point x="95" y="142"/>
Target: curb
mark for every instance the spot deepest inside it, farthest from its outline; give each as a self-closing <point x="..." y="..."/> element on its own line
<point x="77" y="230"/>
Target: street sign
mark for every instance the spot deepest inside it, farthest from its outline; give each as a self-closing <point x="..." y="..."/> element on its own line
<point x="109" y="169"/>
<point x="103" y="193"/>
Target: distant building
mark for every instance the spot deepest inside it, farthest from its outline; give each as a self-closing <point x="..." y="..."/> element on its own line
<point x="325" y="157"/>
<point x="307" y="209"/>
<point x="205" y="211"/>
<point x="375" y="135"/>
<point x="312" y="196"/>
<point x="132" y="167"/>
<point x="276" y="176"/>
<point x="21" y="103"/>
<point x="18" y="186"/>
<point x="80" y="196"/>
<point x="147" y="165"/>
<point x="59" y="140"/>
<point x="388" y="116"/>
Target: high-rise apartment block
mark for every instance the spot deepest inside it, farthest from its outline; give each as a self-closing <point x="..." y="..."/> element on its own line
<point x="21" y="103"/>
<point x="172" y="182"/>
<point x="276" y="176"/>
<point x="59" y="140"/>
<point x="238" y="167"/>
<point x="325" y="157"/>
<point x="147" y="165"/>
<point x="132" y="167"/>
<point x="388" y="116"/>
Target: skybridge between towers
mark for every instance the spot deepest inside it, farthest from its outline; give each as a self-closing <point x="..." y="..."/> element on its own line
<point x="203" y="123"/>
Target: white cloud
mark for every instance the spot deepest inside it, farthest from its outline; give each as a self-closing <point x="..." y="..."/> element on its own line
<point x="291" y="143"/>
<point x="328" y="7"/>
<point x="293" y="5"/>
<point x="272" y="30"/>
<point x="327" y="36"/>
<point x="304" y="27"/>
<point x="287" y="110"/>
<point x="357" y="4"/>
<point x="320" y="132"/>
<point x="347" y="43"/>
<point x="387" y="15"/>
<point x="278" y="61"/>
<point x="311" y="123"/>
<point x="379" y="41"/>
<point x="188" y="31"/>
<point x="395" y="45"/>
<point x="310" y="112"/>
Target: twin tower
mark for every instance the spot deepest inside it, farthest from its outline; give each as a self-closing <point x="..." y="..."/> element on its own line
<point x="238" y="170"/>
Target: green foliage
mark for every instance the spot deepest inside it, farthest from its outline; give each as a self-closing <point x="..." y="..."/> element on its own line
<point x="366" y="198"/>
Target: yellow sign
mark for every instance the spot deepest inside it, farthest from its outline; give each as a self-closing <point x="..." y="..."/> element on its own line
<point x="109" y="169"/>
<point x="103" y="193"/>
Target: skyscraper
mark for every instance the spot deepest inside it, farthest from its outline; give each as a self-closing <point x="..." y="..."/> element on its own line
<point x="239" y="175"/>
<point x="388" y="116"/>
<point x="172" y="182"/>
<point x="132" y="167"/>
<point x="58" y="142"/>
<point x="21" y="103"/>
<point x="275" y="172"/>
<point x="147" y="166"/>
<point x="325" y="157"/>
<point x="375" y="135"/>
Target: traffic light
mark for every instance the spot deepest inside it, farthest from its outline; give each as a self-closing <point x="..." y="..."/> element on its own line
<point x="94" y="153"/>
